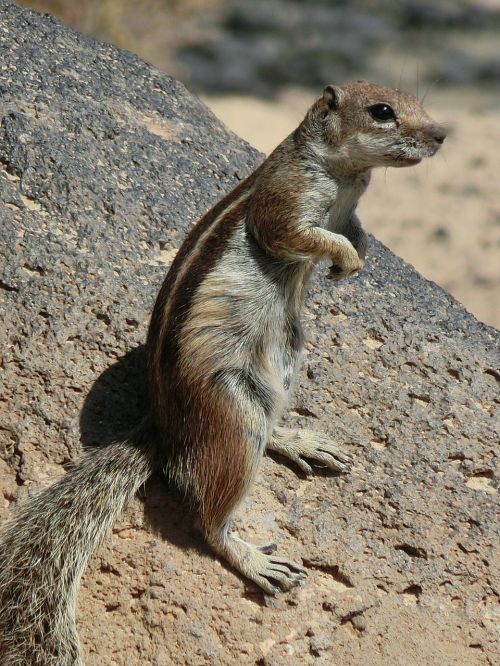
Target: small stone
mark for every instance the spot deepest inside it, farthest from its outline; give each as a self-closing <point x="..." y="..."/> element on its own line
<point x="359" y="622"/>
<point x="320" y="643"/>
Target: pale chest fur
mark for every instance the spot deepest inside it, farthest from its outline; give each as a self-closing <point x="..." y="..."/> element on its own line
<point x="347" y="194"/>
<point x="330" y="201"/>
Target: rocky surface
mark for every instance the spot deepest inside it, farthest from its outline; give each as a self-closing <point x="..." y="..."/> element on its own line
<point x="104" y="164"/>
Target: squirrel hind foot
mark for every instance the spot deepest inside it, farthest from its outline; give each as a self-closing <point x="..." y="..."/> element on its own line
<point x="302" y="445"/>
<point x="272" y="574"/>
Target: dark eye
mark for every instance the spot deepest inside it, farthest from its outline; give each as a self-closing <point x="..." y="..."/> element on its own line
<point x="382" y="112"/>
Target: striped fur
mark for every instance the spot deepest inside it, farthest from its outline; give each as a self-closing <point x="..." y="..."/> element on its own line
<point x="223" y="347"/>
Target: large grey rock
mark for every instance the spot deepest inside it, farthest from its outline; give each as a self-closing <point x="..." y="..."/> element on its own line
<point x="104" y="165"/>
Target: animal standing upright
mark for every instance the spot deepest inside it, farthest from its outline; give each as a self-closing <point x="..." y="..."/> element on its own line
<point x="223" y="347"/>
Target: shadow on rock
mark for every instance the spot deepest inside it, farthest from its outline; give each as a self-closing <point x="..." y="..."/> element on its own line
<point x="117" y="401"/>
<point x="115" y="405"/>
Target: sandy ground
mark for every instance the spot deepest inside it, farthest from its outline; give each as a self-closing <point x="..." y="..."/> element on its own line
<point x="442" y="216"/>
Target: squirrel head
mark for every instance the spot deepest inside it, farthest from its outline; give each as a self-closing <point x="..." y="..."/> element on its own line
<point x="362" y="125"/>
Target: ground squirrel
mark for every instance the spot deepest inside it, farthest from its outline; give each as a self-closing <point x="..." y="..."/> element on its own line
<point x="223" y="347"/>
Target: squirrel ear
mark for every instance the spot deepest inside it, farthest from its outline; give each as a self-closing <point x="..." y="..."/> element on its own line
<point x="330" y="98"/>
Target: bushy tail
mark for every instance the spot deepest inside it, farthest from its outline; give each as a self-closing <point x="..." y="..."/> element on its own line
<point x="45" y="548"/>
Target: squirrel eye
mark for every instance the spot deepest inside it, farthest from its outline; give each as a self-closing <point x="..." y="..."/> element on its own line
<point x="382" y="112"/>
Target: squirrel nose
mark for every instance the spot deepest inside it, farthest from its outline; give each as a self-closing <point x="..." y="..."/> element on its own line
<point x="438" y="133"/>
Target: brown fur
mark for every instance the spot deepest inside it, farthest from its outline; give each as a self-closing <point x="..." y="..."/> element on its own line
<point x="223" y="347"/>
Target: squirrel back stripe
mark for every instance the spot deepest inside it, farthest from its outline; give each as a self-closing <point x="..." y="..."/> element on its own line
<point x="224" y="345"/>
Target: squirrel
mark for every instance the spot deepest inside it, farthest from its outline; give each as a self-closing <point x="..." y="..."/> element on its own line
<point x="223" y="347"/>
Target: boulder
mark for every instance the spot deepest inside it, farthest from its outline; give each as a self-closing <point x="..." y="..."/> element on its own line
<point x="105" y="163"/>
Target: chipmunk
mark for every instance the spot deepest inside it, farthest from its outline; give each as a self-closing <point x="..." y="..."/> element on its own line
<point x="223" y="346"/>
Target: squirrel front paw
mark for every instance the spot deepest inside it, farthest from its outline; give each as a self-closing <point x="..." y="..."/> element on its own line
<point x="345" y="263"/>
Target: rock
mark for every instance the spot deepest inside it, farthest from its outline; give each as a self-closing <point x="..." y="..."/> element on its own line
<point x="105" y="163"/>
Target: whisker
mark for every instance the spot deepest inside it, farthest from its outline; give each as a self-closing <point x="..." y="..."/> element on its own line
<point x="429" y="87"/>
<point x="398" y="87"/>
<point x="443" y="157"/>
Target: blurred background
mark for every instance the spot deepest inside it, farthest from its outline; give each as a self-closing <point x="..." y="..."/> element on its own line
<point x="259" y="63"/>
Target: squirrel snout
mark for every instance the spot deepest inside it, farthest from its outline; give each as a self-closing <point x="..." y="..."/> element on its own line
<point x="438" y="133"/>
